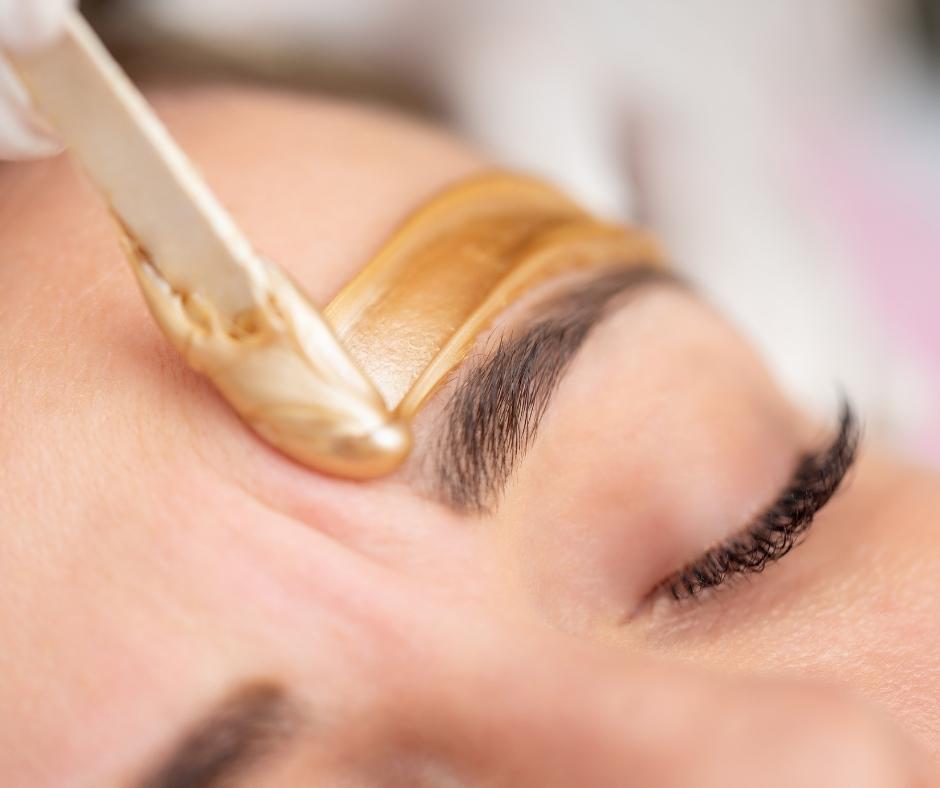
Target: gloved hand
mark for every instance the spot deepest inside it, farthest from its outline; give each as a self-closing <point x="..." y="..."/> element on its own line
<point x="24" y="25"/>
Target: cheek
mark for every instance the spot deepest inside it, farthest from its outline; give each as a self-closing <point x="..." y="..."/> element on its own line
<point x="666" y="436"/>
<point x="881" y="589"/>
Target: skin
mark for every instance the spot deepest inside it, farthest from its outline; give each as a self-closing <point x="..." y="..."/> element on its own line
<point x="155" y="553"/>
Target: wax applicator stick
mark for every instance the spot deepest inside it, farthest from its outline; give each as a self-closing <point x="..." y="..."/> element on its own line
<point x="234" y="316"/>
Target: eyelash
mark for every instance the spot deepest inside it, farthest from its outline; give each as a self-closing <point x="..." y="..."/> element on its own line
<point x="778" y="529"/>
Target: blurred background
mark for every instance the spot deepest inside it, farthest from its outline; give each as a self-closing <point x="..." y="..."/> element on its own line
<point x="787" y="153"/>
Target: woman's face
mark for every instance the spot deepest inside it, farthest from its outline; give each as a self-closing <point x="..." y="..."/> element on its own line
<point x="174" y="590"/>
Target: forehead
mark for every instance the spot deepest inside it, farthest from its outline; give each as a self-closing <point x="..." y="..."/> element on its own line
<point x="124" y="577"/>
<point x="317" y="185"/>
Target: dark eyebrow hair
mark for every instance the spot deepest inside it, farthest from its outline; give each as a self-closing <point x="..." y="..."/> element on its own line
<point x="246" y="727"/>
<point x="494" y="413"/>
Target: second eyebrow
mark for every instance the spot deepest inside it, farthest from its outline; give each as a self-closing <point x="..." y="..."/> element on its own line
<point x="492" y="418"/>
<point x="247" y="727"/>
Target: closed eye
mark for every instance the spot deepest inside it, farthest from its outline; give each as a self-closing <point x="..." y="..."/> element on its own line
<point x="777" y="529"/>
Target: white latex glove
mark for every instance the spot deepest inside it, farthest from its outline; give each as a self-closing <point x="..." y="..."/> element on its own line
<point x="25" y="25"/>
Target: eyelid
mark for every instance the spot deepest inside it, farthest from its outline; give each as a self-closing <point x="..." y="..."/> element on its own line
<point x="780" y="527"/>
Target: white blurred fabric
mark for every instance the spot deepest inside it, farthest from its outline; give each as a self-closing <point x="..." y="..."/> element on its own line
<point x="25" y="25"/>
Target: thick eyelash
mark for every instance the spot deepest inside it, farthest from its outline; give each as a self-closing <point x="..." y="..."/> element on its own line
<point x="778" y="528"/>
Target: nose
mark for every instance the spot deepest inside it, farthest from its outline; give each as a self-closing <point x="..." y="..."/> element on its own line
<point x="516" y="706"/>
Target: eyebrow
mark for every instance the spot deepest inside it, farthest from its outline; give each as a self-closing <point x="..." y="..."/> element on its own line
<point x="247" y="727"/>
<point x="492" y="418"/>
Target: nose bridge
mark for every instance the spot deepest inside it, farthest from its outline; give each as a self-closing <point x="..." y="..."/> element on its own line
<point x="498" y="704"/>
<point x="438" y="681"/>
<point x="541" y="723"/>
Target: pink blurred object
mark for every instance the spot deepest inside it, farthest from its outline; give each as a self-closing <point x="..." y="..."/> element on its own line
<point x="891" y="222"/>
